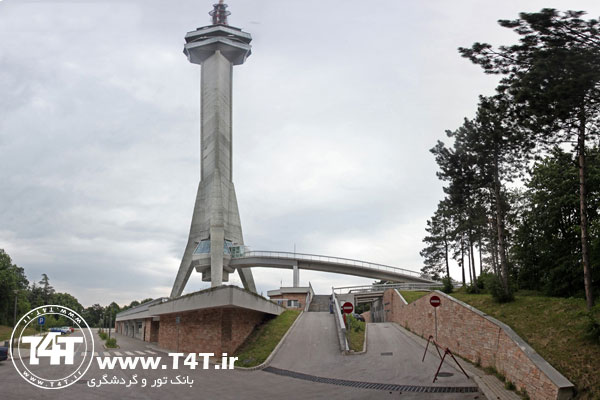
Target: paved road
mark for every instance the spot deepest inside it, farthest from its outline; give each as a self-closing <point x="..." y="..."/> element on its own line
<point x="391" y="357"/>
<point x="212" y="384"/>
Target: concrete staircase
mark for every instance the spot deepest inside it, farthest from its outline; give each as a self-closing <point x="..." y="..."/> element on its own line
<point x="319" y="303"/>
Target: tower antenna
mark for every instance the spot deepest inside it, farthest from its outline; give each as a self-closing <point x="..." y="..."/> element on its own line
<point x="219" y="13"/>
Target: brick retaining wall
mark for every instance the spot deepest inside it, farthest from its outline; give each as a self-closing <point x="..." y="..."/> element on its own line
<point x="479" y="338"/>
<point x="217" y="330"/>
<point x="367" y="316"/>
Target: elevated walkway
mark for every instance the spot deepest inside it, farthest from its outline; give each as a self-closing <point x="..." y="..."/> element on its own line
<point x="241" y="257"/>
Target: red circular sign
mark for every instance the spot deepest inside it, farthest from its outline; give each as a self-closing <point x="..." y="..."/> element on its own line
<point x="347" y="307"/>
<point x="435" y="301"/>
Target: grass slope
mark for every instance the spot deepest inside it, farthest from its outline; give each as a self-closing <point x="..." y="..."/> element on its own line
<point x="356" y="335"/>
<point x="6" y="331"/>
<point x="259" y="345"/>
<point x="555" y="328"/>
<point x="411" y="295"/>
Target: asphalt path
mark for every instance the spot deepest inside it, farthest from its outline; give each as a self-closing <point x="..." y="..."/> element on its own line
<point x="217" y="384"/>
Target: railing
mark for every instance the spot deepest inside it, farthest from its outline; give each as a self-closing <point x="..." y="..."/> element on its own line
<point x="339" y="323"/>
<point x="383" y="287"/>
<point x="244" y="252"/>
<point x="309" y="296"/>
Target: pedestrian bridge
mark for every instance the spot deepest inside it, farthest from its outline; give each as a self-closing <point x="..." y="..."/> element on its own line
<point x="243" y="258"/>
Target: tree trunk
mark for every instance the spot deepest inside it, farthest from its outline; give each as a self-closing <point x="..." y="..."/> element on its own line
<point x="587" y="273"/>
<point x="446" y="253"/>
<point x="472" y="259"/>
<point x="462" y="260"/>
<point x="469" y="264"/>
<point x="480" y="255"/>
<point x="500" y="225"/>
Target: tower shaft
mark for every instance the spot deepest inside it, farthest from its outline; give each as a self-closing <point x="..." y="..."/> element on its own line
<point x="216" y="222"/>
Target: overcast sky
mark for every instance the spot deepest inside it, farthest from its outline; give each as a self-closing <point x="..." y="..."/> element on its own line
<point x="334" y="115"/>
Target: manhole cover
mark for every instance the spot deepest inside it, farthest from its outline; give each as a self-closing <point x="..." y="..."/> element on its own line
<point x="445" y="374"/>
<point x="388" y="353"/>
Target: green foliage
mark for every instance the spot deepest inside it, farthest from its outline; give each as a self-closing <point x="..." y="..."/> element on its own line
<point x="13" y="283"/>
<point x="412" y="295"/>
<point x="472" y="289"/>
<point x="102" y="335"/>
<point x="356" y="333"/>
<point x="362" y="307"/>
<point x="547" y="246"/>
<point x="497" y="290"/>
<point x="552" y="80"/>
<point x="261" y="342"/>
<point x="508" y="385"/>
<point x="448" y="286"/>
<point x="592" y="327"/>
<point x="556" y="329"/>
<point x="438" y="241"/>
<point x="111" y="343"/>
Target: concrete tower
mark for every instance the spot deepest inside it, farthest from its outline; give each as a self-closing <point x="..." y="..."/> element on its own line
<point x="216" y="228"/>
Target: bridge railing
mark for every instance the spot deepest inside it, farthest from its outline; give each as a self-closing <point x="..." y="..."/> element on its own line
<point x="382" y="287"/>
<point x="244" y="252"/>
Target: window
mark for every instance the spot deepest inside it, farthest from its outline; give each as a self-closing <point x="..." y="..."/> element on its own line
<point x="292" y="303"/>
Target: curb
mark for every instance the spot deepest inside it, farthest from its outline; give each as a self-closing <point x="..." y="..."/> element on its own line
<point x="364" y="349"/>
<point x="267" y="362"/>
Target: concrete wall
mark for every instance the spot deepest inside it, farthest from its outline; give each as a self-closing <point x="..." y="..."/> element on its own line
<point x="479" y="338"/>
<point x="218" y="330"/>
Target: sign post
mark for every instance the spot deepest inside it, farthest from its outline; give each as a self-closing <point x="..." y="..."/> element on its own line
<point x="347" y="308"/>
<point x="41" y="321"/>
<point x="435" y="303"/>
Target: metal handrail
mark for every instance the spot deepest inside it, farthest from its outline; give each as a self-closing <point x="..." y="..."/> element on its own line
<point x="382" y="287"/>
<point x="339" y="322"/>
<point x="315" y="257"/>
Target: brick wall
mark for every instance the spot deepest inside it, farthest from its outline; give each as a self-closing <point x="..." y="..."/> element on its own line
<point x="154" y="328"/>
<point x="367" y="316"/>
<point x="147" y="326"/>
<point x="219" y="330"/>
<point x="480" y="339"/>
<point x="301" y="297"/>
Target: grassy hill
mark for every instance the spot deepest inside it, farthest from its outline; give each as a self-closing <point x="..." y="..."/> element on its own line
<point x="555" y="328"/>
<point x="261" y="342"/>
<point x="6" y="331"/>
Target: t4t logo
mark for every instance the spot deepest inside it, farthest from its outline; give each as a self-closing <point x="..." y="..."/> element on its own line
<point x="55" y="352"/>
<point x="52" y="361"/>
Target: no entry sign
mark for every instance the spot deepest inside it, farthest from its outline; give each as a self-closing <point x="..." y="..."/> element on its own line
<point x="347" y="307"/>
<point x="435" y="301"/>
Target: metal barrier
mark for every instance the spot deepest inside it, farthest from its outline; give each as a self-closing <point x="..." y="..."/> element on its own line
<point x="446" y="352"/>
<point x="339" y="323"/>
<point x="382" y="287"/>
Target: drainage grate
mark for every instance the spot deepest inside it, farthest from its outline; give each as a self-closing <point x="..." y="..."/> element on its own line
<point x="445" y="374"/>
<point x="81" y="382"/>
<point x="370" y="385"/>
<point x="387" y="353"/>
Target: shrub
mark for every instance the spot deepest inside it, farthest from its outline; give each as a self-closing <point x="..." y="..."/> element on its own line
<point x="448" y="286"/>
<point x="592" y="328"/>
<point x="472" y="289"/>
<point x="111" y="343"/>
<point x="497" y="290"/>
<point x="485" y="281"/>
<point x="102" y="335"/>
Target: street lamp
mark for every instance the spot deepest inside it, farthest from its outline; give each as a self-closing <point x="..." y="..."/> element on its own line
<point x="15" y="320"/>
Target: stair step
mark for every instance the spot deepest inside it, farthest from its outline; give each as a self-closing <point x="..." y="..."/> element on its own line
<point x="319" y="303"/>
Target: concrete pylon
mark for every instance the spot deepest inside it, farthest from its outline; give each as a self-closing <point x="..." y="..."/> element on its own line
<point x="216" y="226"/>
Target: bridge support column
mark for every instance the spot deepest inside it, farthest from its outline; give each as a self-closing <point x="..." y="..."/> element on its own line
<point x="296" y="275"/>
